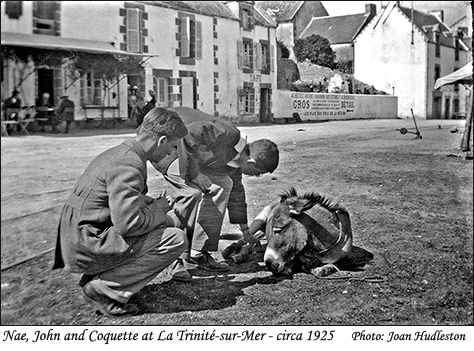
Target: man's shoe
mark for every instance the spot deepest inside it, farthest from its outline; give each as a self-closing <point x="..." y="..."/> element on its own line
<point x="207" y="262"/>
<point x="106" y="305"/>
<point x="179" y="272"/>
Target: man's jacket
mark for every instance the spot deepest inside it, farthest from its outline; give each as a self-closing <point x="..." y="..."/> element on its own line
<point x="107" y="211"/>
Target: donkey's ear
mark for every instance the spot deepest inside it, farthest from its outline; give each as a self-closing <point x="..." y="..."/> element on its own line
<point x="287" y="194"/>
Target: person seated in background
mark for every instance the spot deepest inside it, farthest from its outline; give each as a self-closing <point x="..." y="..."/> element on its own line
<point x="65" y="111"/>
<point x="42" y="112"/>
<point x="13" y="103"/>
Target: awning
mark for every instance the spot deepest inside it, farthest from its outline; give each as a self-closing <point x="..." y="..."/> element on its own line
<point x="461" y="76"/>
<point x="50" y="42"/>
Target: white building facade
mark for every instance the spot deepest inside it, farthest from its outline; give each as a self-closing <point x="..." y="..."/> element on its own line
<point x="403" y="52"/>
<point x="215" y="57"/>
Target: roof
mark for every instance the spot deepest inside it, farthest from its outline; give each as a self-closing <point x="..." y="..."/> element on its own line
<point x="461" y="76"/>
<point x="284" y="11"/>
<point x="61" y="43"/>
<point x="207" y="8"/>
<point x="452" y="10"/>
<point x="212" y="8"/>
<point x="262" y="18"/>
<point x="336" y="29"/>
<point x="427" y="23"/>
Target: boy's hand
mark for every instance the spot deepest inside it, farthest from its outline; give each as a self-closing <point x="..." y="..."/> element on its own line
<point x="203" y="182"/>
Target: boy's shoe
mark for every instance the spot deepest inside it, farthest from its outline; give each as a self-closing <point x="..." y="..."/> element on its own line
<point x="179" y="272"/>
<point x="208" y="263"/>
<point x="106" y="305"/>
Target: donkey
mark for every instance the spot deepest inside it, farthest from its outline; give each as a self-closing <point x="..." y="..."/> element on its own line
<point x="319" y="243"/>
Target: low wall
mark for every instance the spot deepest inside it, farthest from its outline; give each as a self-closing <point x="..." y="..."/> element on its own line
<point x="321" y="107"/>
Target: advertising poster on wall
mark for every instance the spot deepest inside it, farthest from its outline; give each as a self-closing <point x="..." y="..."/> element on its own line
<point x="323" y="106"/>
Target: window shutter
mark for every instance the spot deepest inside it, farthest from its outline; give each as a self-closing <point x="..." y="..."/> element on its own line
<point x="252" y="100"/>
<point x="259" y="57"/>
<point x="239" y="54"/>
<point x="272" y="57"/>
<point x="251" y="55"/>
<point x="199" y="40"/>
<point x="133" y="30"/>
<point x="251" y="21"/>
<point x="185" y="36"/>
<point x="255" y="56"/>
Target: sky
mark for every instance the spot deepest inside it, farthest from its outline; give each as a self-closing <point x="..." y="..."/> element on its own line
<point x="453" y="10"/>
<point x="338" y="8"/>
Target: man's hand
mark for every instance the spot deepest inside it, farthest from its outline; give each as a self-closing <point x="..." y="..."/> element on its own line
<point x="203" y="182"/>
<point x="249" y="238"/>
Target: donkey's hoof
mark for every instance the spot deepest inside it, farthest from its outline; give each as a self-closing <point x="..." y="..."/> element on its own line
<point x="324" y="271"/>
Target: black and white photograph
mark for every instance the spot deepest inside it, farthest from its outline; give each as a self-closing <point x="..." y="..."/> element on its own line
<point x="237" y="173"/>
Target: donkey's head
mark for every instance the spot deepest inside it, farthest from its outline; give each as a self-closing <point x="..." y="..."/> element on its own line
<point x="286" y="232"/>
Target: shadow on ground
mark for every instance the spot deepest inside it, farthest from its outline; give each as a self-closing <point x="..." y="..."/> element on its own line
<point x="207" y="291"/>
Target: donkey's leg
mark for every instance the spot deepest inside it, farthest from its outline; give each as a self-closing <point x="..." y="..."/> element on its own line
<point x="324" y="270"/>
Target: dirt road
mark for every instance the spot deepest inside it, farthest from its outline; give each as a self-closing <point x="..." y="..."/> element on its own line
<point x="410" y="201"/>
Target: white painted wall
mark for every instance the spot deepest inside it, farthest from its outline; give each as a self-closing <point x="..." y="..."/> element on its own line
<point x="322" y="107"/>
<point x="385" y="58"/>
<point x="22" y="25"/>
<point x="101" y="21"/>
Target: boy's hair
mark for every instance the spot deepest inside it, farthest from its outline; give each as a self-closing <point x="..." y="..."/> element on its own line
<point x="161" y="121"/>
<point x="265" y="153"/>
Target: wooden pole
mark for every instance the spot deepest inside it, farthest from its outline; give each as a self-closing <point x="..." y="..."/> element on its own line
<point x="466" y="142"/>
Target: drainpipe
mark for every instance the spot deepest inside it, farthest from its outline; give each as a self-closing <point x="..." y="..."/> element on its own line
<point x="412" y="25"/>
<point x="427" y="88"/>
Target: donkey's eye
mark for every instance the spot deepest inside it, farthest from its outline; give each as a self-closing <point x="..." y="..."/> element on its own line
<point x="277" y="230"/>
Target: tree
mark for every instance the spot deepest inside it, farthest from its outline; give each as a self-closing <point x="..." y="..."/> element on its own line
<point x="285" y="53"/>
<point x="316" y="49"/>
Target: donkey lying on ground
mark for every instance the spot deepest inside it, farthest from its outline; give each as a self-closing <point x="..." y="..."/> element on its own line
<point x="319" y="242"/>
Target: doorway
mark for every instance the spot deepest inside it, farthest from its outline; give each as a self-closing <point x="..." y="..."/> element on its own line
<point x="437" y="107"/>
<point x="187" y="92"/>
<point x="447" y="107"/>
<point x="265" y="105"/>
<point x="46" y="83"/>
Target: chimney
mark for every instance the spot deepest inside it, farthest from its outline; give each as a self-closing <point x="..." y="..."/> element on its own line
<point x="438" y="13"/>
<point x="462" y="32"/>
<point x="371" y="9"/>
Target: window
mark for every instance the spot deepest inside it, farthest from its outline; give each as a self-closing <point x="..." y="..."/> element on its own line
<point x="134" y="38"/>
<point x="45" y="9"/>
<point x="438" y="45"/>
<point x="246" y="18"/>
<point x="437" y="71"/>
<point x="456" y="105"/>
<point x="265" y="57"/>
<point x="160" y="85"/>
<point x="248" y="55"/>
<point x="191" y="38"/>
<point x="13" y="9"/>
<point x="456" y="50"/>
<point x="246" y="100"/>
<point x="91" y="89"/>
<point x="44" y="17"/>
